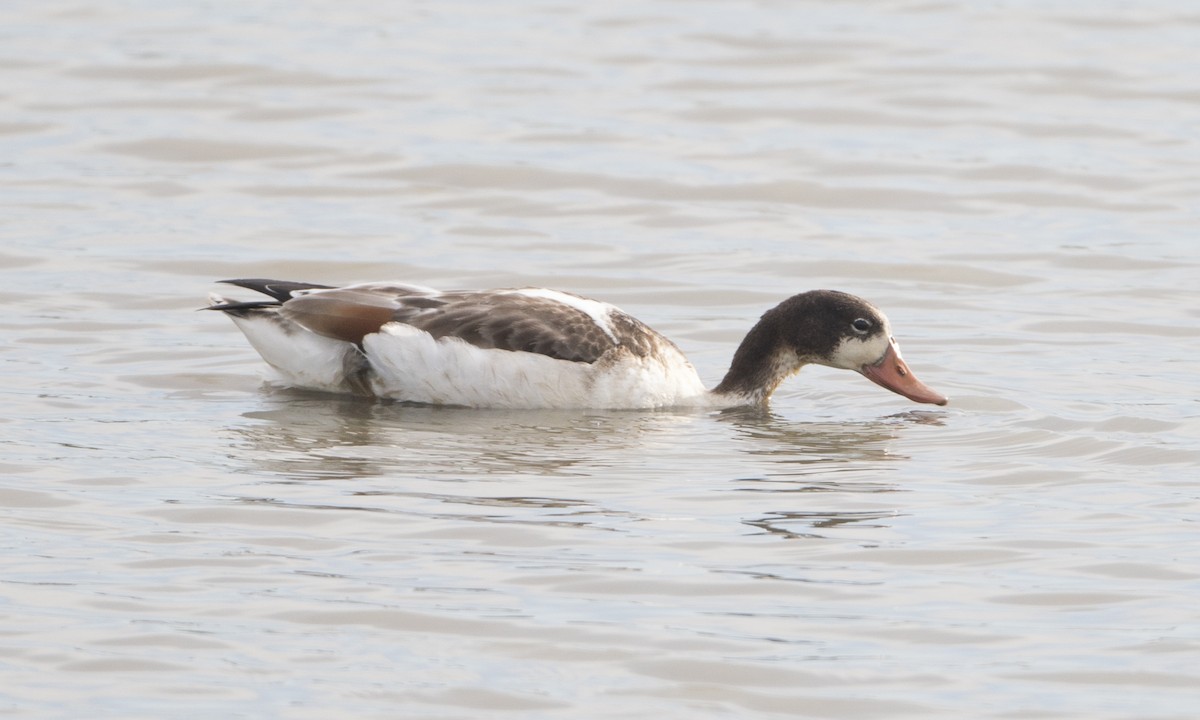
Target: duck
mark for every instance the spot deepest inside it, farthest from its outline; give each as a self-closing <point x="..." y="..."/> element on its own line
<point x="531" y="348"/>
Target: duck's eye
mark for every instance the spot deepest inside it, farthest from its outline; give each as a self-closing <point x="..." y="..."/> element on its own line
<point x="861" y="325"/>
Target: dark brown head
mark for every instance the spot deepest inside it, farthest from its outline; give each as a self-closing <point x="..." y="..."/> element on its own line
<point x="825" y="327"/>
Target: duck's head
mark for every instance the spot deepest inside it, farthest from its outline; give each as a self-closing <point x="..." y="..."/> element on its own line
<point x="825" y="327"/>
<point x="865" y="344"/>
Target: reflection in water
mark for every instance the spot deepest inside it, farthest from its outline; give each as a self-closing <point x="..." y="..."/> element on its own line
<point x="595" y="458"/>
<point x="414" y="451"/>
<point x="779" y="523"/>
<point x="317" y="436"/>
<point x="562" y="512"/>
<point x="308" y="436"/>
<point x="811" y="450"/>
<point x="834" y="459"/>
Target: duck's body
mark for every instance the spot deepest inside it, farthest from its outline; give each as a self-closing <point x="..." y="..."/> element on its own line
<point x="537" y="348"/>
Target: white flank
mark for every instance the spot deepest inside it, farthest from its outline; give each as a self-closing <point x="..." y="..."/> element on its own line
<point x="597" y="311"/>
<point x="411" y="365"/>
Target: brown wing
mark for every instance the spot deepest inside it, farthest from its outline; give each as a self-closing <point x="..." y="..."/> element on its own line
<point x="490" y="319"/>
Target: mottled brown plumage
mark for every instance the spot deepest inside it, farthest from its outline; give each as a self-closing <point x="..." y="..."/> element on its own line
<point x="498" y="319"/>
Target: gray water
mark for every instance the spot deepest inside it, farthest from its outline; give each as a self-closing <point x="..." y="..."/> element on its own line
<point x="1015" y="183"/>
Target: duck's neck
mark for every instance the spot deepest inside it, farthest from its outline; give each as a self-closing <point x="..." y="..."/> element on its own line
<point x="760" y="364"/>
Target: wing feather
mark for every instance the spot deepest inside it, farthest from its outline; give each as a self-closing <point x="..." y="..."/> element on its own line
<point x="499" y="319"/>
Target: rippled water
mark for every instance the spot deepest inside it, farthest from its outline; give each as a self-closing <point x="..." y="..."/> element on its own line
<point x="1014" y="183"/>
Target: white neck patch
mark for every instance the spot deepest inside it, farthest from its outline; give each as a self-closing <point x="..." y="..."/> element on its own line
<point x="854" y="352"/>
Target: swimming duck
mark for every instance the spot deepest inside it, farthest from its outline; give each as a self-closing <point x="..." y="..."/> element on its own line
<point x="539" y="348"/>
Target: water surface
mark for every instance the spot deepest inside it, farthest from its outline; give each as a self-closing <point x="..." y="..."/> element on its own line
<point x="1014" y="183"/>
